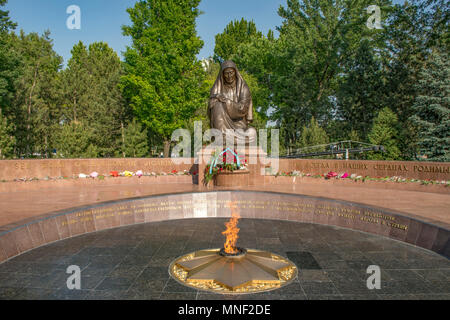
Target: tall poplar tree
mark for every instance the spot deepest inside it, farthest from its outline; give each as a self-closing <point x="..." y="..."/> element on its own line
<point x="163" y="76"/>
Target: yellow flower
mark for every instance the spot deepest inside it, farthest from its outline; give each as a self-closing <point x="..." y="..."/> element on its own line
<point x="128" y="174"/>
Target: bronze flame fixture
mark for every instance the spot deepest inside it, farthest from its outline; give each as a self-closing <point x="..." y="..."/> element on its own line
<point x="247" y="271"/>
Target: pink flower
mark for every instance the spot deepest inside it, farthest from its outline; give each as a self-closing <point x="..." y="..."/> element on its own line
<point x="94" y="174"/>
<point x="345" y="175"/>
<point x="139" y="173"/>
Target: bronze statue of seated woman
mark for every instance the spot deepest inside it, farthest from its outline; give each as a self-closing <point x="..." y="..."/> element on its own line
<point x="230" y="105"/>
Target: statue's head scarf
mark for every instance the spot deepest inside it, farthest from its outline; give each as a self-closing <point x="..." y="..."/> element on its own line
<point x="242" y="89"/>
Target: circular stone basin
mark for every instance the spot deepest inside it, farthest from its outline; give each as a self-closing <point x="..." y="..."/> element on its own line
<point x="132" y="262"/>
<point x="248" y="271"/>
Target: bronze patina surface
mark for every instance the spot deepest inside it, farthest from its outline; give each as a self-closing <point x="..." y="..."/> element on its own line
<point x="230" y="107"/>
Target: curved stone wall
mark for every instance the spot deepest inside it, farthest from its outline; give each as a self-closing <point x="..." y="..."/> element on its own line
<point x="18" y="238"/>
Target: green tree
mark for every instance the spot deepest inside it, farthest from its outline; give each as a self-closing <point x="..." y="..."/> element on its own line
<point x="313" y="135"/>
<point x="36" y="99"/>
<point x="432" y="108"/>
<point x="9" y="63"/>
<point x="411" y="32"/>
<point x="5" y="23"/>
<point x="92" y="94"/>
<point x="384" y="132"/>
<point x="163" y="81"/>
<point x="75" y="141"/>
<point x="135" y="141"/>
<point x="303" y="67"/>
<point x="236" y="33"/>
<point x="7" y="140"/>
<point x="360" y="92"/>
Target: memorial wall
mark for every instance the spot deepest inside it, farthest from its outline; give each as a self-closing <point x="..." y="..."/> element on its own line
<point x="405" y="169"/>
<point x="12" y="169"/>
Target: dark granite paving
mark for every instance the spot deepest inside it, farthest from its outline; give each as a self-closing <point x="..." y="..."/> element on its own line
<point x="132" y="263"/>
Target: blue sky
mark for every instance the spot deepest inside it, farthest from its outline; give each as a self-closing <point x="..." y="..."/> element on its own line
<point x="101" y="20"/>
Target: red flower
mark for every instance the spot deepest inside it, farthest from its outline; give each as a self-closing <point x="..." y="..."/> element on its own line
<point x="114" y="174"/>
<point x="174" y="171"/>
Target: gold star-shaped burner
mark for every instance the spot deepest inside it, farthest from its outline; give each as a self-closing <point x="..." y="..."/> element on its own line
<point x="249" y="271"/>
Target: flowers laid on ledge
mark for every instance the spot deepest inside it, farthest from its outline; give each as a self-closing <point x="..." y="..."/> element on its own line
<point x="354" y="177"/>
<point x="112" y="174"/>
<point x="230" y="162"/>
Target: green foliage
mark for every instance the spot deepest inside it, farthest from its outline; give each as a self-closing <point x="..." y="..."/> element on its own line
<point x="36" y="110"/>
<point x="92" y="94"/>
<point x="360" y="92"/>
<point x="9" y="61"/>
<point x="313" y="135"/>
<point x="164" y="79"/>
<point x="384" y="132"/>
<point x="236" y="33"/>
<point x="134" y="143"/>
<point x="75" y="141"/>
<point x="10" y="71"/>
<point x="411" y="33"/>
<point x="432" y="108"/>
<point x="303" y="67"/>
<point x="5" y="23"/>
<point x="7" y="141"/>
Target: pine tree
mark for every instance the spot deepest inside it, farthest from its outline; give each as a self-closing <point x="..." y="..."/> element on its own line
<point x="135" y="141"/>
<point x="164" y="79"/>
<point x="432" y="108"/>
<point x="313" y="135"/>
<point x="75" y="141"/>
<point x="92" y="94"/>
<point x="5" y="23"/>
<point x="385" y="132"/>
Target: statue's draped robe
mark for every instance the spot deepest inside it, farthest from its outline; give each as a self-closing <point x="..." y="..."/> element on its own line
<point x="237" y="112"/>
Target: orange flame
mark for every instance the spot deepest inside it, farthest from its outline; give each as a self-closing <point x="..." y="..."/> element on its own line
<point x="232" y="231"/>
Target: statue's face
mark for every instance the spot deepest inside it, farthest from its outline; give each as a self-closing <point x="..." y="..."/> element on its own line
<point x="229" y="75"/>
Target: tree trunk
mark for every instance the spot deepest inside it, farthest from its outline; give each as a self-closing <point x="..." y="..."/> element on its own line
<point x="123" y="139"/>
<point x="166" y="148"/>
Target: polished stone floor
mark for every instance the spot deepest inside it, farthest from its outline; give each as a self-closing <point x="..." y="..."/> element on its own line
<point x="132" y="263"/>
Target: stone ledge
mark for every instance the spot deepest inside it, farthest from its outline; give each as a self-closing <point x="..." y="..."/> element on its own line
<point x="407" y="186"/>
<point x="21" y="237"/>
<point x="12" y="186"/>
